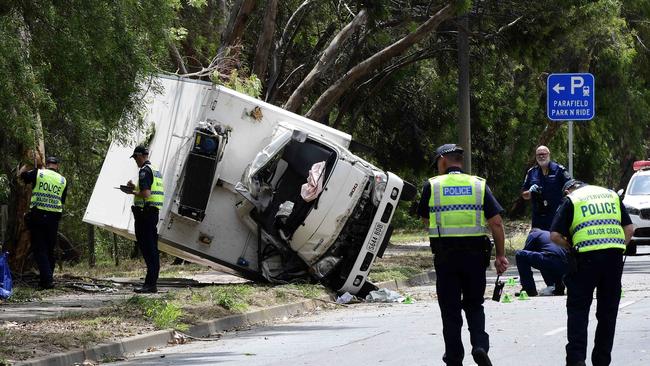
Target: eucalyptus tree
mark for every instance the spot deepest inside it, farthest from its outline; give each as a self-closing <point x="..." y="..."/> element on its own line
<point x="72" y="69"/>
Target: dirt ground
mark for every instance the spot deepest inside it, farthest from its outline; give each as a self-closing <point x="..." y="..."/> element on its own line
<point x="177" y="308"/>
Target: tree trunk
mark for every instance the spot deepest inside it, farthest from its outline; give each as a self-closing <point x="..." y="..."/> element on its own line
<point x="277" y="60"/>
<point x="225" y="35"/>
<point x="266" y="40"/>
<point x="223" y="22"/>
<point x="235" y="33"/>
<point x="326" y="101"/>
<point x="326" y="60"/>
<point x="176" y="56"/>
<point x="116" y="254"/>
<point x="19" y="252"/>
<point x="91" y="245"/>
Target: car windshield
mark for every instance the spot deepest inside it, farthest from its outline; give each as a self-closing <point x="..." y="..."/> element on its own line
<point x="640" y="185"/>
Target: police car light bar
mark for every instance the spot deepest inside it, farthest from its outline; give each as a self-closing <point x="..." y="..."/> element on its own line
<point x="641" y="165"/>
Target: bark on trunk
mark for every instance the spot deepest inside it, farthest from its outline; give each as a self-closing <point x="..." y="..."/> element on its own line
<point x="235" y="34"/>
<point x="91" y="245"/>
<point x="277" y="60"/>
<point x="326" y="101"/>
<point x="225" y="35"/>
<point x="116" y="254"/>
<point x="265" y="41"/>
<point x="19" y="252"/>
<point x="223" y="20"/>
<point x="297" y="98"/>
<point x="177" y="58"/>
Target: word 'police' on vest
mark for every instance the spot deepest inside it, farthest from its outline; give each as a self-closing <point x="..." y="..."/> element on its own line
<point x="598" y="208"/>
<point x="457" y="191"/>
<point x="44" y="186"/>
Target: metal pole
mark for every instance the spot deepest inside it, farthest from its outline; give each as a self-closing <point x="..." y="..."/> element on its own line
<point x="571" y="148"/>
<point x="464" y="129"/>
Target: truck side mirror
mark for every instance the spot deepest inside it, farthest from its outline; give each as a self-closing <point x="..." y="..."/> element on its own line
<point x="620" y="192"/>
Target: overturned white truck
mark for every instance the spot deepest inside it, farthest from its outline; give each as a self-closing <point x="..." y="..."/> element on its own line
<point x="253" y="189"/>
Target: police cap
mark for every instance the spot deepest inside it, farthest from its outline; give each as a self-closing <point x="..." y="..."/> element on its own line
<point x="52" y="160"/>
<point x="140" y="150"/>
<point x="572" y="183"/>
<point x="446" y="149"/>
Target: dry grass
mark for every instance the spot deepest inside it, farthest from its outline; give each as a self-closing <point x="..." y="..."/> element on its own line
<point x="142" y="314"/>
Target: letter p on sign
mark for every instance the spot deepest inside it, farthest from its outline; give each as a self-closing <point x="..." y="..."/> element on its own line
<point x="577" y="82"/>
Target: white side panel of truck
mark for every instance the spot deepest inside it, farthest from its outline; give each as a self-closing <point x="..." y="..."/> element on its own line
<point x="168" y="102"/>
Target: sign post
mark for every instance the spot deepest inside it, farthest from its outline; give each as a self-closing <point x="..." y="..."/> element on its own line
<point x="570" y="97"/>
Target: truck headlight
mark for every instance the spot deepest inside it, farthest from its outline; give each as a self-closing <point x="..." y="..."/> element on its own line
<point x="632" y="210"/>
<point x="381" y="180"/>
<point x="325" y="265"/>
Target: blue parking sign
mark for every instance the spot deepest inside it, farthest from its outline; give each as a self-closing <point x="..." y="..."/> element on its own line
<point x="570" y="97"/>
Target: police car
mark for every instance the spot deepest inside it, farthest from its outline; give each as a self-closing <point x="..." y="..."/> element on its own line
<point x="637" y="202"/>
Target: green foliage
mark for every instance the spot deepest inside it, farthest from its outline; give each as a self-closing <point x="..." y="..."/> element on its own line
<point x="24" y="294"/>
<point x="232" y="297"/>
<point x="163" y="313"/>
<point x="248" y="85"/>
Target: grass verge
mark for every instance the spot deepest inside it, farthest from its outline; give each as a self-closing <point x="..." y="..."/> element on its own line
<point x="139" y="314"/>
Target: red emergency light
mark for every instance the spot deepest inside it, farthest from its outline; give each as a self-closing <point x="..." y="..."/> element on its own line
<point x="641" y="165"/>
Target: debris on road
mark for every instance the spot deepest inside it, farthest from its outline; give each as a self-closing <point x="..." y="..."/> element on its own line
<point x="385" y="295"/>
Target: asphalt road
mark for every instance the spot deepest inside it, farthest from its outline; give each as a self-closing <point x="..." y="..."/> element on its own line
<point x="522" y="333"/>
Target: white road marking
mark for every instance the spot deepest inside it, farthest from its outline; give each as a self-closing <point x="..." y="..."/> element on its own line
<point x="621" y="306"/>
<point x="555" y="331"/>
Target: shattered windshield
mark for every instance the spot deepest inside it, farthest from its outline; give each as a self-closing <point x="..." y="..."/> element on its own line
<point x="268" y="153"/>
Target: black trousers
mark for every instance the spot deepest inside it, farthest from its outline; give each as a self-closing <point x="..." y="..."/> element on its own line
<point x="460" y="285"/>
<point x="146" y="235"/>
<point x="43" y="227"/>
<point x="600" y="270"/>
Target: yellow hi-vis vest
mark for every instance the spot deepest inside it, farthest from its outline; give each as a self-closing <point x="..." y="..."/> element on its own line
<point x="48" y="191"/>
<point x="596" y="219"/>
<point x="456" y="206"/>
<point x="157" y="196"/>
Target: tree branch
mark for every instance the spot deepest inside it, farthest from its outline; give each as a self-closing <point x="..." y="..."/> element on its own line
<point x="326" y="101"/>
<point x="326" y="60"/>
<point x="280" y="49"/>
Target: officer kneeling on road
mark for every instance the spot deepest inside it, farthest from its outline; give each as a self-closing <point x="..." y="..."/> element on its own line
<point x="593" y="223"/>
<point x="551" y="260"/>
<point x="457" y="209"/>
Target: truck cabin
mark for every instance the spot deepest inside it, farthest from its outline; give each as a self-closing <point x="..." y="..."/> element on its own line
<point x="282" y="178"/>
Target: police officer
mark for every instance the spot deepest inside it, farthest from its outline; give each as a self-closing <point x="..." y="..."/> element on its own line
<point x="594" y="224"/>
<point x="543" y="185"/>
<point x="551" y="260"/>
<point x="147" y="202"/>
<point x="457" y="209"/>
<point x="48" y="196"/>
